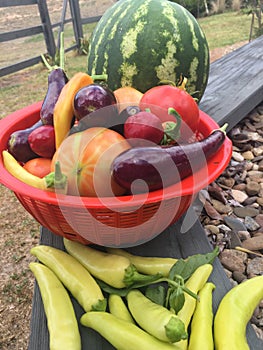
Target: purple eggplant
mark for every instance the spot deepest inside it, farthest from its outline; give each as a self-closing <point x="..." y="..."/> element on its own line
<point x="18" y="144"/>
<point x="95" y="98"/>
<point x="57" y="79"/>
<point x="159" y="167"/>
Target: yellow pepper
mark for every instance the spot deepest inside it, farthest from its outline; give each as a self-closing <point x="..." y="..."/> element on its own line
<point x="54" y="181"/>
<point x="64" y="110"/>
<point x="118" y="308"/>
<point x="121" y="334"/>
<point x="195" y="283"/>
<point x="61" y="319"/>
<point x="73" y="275"/>
<point x="234" y="312"/>
<point x="109" y="268"/>
<point x="155" y="319"/>
<point x="202" y="322"/>
<point x="146" y="264"/>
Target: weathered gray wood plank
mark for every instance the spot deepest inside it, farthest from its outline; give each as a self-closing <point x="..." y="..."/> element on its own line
<point x="235" y="84"/>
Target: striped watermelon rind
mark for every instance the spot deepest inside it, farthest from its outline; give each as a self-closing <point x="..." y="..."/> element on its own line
<point x="141" y="42"/>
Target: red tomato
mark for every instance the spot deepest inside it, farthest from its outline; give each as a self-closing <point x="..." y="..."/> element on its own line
<point x="86" y="157"/>
<point x="159" y="98"/>
<point x="38" y="166"/>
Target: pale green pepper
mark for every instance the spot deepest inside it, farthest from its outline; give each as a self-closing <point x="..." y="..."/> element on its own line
<point x="195" y="283"/>
<point x="155" y="319"/>
<point x="61" y="320"/>
<point x="118" y="308"/>
<point x="146" y="264"/>
<point x="73" y="275"/>
<point x="121" y="334"/>
<point x="202" y="322"/>
<point x="234" y="312"/>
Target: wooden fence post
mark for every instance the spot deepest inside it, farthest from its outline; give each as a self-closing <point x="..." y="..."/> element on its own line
<point x="76" y="21"/>
<point x="47" y="28"/>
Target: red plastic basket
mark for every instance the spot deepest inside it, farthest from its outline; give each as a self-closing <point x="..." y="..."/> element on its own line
<point x="113" y="221"/>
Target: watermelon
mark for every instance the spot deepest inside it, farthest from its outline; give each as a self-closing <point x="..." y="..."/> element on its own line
<point x="142" y="42"/>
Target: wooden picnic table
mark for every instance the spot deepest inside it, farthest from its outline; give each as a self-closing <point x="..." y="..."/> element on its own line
<point x="234" y="88"/>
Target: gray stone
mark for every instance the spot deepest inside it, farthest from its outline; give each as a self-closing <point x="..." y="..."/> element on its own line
<point x="255" y="267"/>
<point x="250" y="200"/>
<point x="259" y="219"/>
<point x="220" y="207"/>
<point x="233" y="260"/>
<point x="240" y="187"/>
<point x="255" y="175"/>
<point x="238" y="195"/>
<point x="242" y="212"/>
<point x="212" y="229"/>
<point x="237" y="156"/>
<point x="229" y="182"/>
<point x="239" y="276"/>
<point x="243" y="235"/>
<point x="234" y="240"/>
<point x="253" y="188"/>
<point x="258" y="151"/>
<point x="234" y="223"/>
<point x="253" y="243"/>
<point x="251" y="224"/>
<point x="248" y="155"/>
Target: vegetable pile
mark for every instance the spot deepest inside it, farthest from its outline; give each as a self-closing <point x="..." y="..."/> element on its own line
<point x="95" y="142"/>
<point x="140" y="302"/>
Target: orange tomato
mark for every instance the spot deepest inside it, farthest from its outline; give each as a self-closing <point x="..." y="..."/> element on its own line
<point x="86" y="157"/>
<point x="38" y="166"/>
<point x="127" y="96"/>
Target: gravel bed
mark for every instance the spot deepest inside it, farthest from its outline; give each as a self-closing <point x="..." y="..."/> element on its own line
<point x="230" y="209"/>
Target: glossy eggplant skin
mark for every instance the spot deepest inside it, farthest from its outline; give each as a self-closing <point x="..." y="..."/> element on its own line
<point x="158" y="167"/>
<point x="18" y="144"/>
<point x="57" y="79"/>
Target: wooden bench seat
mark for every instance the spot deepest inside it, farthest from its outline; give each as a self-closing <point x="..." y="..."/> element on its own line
<point x="234" y="88"/>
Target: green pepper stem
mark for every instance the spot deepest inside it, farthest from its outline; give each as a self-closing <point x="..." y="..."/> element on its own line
<point x="175" y="284"/>
<point x="132" y="276"/>
<point x="56" y="179"/>
<point x="172" y="129"/>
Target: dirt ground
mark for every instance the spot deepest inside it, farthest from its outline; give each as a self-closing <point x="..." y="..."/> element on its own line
<point x="19" y="231"/>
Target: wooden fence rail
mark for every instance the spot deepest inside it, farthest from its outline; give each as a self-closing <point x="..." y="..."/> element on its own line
<point x="46" y="28"/>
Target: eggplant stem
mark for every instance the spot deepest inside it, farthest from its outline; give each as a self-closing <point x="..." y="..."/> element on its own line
<point x="62" y="51"/>
<point x="224" y="127"/>
<point x="49" y="67"/>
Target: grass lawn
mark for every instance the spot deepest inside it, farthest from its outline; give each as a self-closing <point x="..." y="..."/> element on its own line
<point x="226" y="29"/>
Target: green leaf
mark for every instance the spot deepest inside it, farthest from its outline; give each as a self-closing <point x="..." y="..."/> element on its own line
<point x="185" y="268"/>
<point x="157" y="294"/>
<point x="176" y="299"/>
